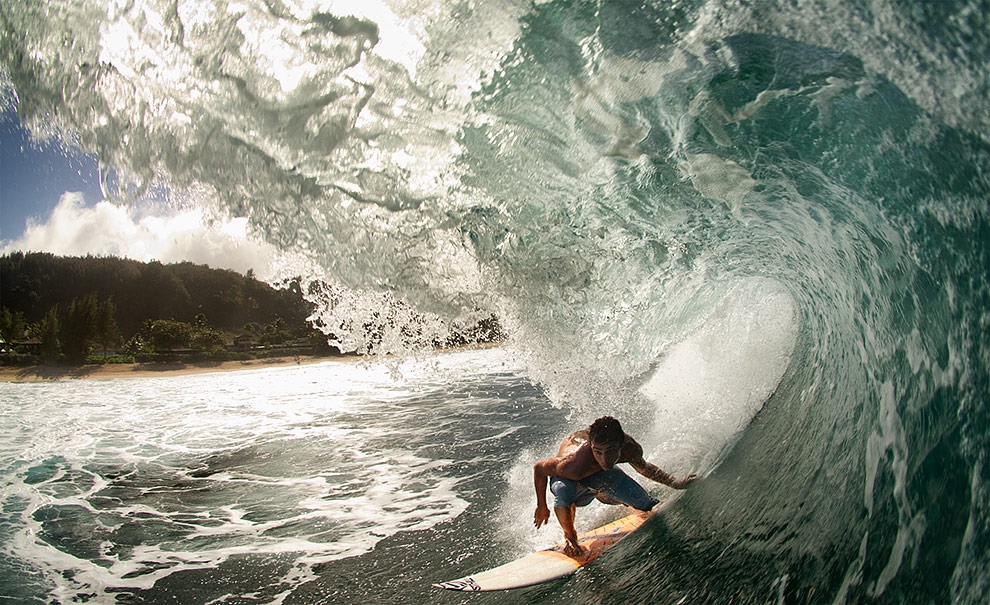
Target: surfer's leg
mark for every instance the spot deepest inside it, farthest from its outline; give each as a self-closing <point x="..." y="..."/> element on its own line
<point x="564" y="491"/>
<point x="615" y="487"/>
<point x="605" y="499"/>
<point x="568" y="495"/>
<point x="565" y="516"/>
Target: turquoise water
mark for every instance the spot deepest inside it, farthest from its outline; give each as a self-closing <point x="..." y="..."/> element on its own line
<point x="757" y="225"/>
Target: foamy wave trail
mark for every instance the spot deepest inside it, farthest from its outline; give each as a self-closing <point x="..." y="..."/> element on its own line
<point x="233" y="486"/>
<point x="628" y="185"/>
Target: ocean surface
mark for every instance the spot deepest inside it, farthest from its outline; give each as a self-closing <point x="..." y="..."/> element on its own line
<point x="756" y="232"/>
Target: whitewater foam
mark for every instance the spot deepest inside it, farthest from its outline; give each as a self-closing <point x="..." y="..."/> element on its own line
<point x="708" y="387"/>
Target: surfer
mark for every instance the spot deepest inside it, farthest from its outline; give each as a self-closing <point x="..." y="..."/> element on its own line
<point x="584" y="469"/>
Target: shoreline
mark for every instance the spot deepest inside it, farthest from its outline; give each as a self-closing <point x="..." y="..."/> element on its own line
<point x="52" y="373"/>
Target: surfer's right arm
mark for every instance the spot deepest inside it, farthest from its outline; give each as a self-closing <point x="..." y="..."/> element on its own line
<point x="542" y="471"/>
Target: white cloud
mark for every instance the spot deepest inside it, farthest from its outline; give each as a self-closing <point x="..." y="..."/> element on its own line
<point x="108" y="229"/>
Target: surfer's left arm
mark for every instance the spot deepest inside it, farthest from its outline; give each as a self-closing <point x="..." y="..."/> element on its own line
<point x="652" y="471"/>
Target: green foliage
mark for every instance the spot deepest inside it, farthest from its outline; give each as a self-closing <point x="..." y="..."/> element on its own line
<point x="47" y="331"/>
<point x="275" y="333"/>
<point x="168" y="334"/>
<point x="113" y="359"/>
<point x="12" y="325"/>
<point x="14" y="359"/>
<point x="165" y="311"/>
<point x="107" y="332"/>
<point x="207" y="340"/>
<point x="105" y="300"/>
<point x="79" y="328"/>
<point x="32" y="283"/>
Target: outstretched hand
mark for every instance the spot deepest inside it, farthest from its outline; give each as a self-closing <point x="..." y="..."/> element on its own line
<point x="684" y="481"/>
<point x="541" y="517"/>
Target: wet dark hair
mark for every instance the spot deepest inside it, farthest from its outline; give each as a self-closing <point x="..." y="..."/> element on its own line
<point x="606" y="430"/>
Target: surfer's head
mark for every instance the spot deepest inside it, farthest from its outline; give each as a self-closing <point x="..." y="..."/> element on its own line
<point x="606" y="437"/>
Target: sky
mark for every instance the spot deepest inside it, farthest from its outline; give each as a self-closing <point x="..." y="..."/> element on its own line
<point x="51" y="201"/>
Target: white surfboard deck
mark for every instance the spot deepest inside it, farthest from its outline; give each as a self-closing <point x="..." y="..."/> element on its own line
<point x="549" y="564"/>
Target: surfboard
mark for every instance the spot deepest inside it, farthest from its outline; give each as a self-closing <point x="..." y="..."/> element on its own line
<point x="550" y="564"/>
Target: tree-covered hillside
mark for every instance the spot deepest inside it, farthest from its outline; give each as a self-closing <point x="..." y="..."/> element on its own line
<point x="33" y="283"/>
<point x="69" y="309"/>
<point x="56" y="309"/>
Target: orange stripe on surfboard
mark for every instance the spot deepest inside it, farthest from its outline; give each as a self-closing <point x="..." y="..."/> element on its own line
<point x="548" y="564"/>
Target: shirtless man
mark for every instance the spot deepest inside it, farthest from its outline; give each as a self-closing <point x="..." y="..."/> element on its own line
<point x="584" y="469"/>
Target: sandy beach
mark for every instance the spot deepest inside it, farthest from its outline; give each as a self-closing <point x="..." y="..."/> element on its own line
<point x="46" y="373"/>
<point x="143" y="370"/>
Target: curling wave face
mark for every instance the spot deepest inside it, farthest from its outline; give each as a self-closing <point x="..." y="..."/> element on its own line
<point x="788" y="203"/>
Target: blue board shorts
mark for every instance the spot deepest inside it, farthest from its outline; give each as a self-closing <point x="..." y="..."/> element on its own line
<point x="612" y="484"/>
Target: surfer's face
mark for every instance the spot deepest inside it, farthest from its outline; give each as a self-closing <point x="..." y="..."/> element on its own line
<point x="606" y="454"/>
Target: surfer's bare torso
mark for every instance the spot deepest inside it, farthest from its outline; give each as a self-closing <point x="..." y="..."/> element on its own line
<point x="575" y="459"/>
